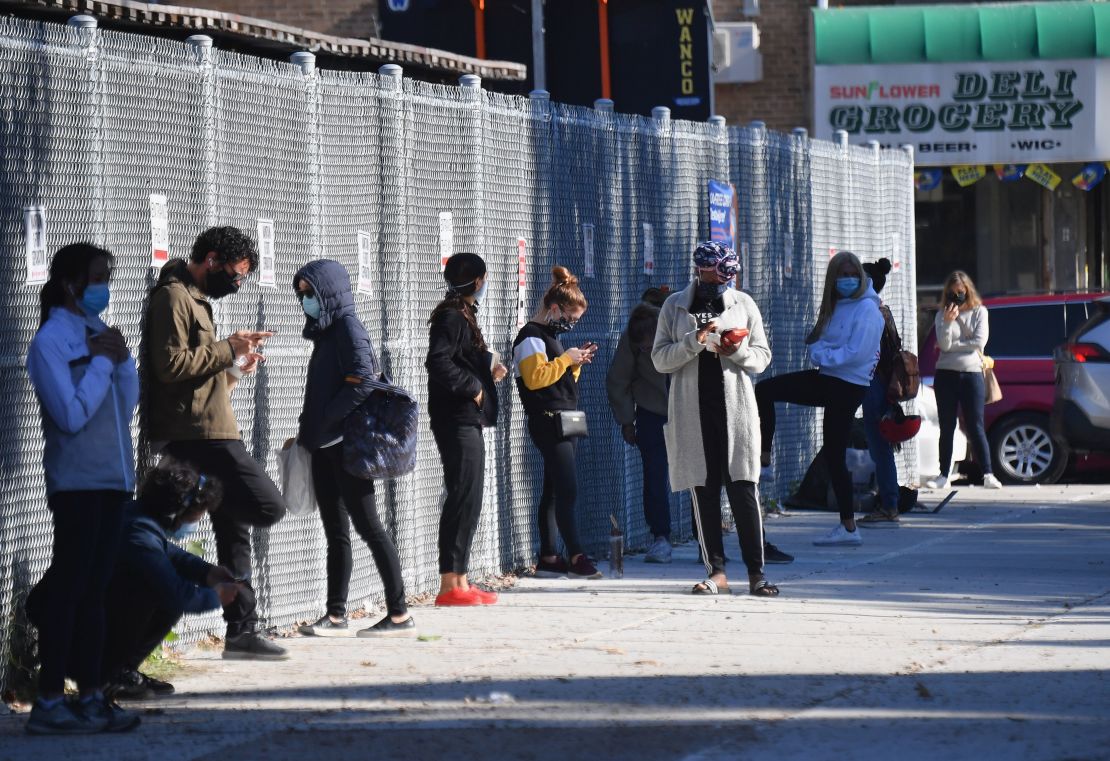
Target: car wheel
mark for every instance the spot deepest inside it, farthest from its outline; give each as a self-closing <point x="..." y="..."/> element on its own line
<point x="1024" y="452"/>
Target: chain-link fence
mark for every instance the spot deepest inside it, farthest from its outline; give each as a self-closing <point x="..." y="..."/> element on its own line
<point x="97" y="121"/>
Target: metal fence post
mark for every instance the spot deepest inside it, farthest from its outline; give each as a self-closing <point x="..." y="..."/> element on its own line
<point x="307" y="64"/>
<point x="201" y="45"/>
<point x="471" y="85"/>
<point x="89" y="37"/>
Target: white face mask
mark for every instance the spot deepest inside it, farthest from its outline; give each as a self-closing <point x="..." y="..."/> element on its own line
<point x="481" y="292"/>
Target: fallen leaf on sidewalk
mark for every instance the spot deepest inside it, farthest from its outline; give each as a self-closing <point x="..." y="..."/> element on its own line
<point x="429" y="637"/>
<point x="923" y="691"/>
<point x="612" y="650"/>
<point x="647" y="663"/>
<point x="368" y="664"/>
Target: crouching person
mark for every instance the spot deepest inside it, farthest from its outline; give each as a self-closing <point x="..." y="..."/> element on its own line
<point x="155" y="582"/>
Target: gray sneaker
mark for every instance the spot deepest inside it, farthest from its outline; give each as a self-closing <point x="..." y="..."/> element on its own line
<point x="109" y="715"/>
<point x="252" y="646"/>
<point x="325" y="627"/>
<point x="660" y="551"/>
<point x="61" y="719"/>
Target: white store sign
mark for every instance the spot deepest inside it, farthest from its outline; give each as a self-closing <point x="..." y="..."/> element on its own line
<point x="1007" y="112"/>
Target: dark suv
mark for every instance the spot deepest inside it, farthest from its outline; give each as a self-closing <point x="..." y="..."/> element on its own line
<point x="1024" y="332"/>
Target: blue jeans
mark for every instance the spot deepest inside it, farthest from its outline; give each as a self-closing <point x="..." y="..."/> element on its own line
<point x="875" y="406"/>
<point x="965" y="390"/>
<point x="653" y="454"/>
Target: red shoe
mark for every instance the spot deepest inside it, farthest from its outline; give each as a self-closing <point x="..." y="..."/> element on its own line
<point x="459" y="598"/>
<point x="487" y="598"/>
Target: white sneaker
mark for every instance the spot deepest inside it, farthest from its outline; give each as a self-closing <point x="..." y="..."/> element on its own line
<point x="990" y="481"/>
<point x="937" y="483"/>
<point x="660" y="551"/>
<point x="840" y="537"/>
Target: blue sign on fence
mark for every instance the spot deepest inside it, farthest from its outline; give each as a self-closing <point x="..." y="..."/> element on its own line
<point x="722" y="213"/>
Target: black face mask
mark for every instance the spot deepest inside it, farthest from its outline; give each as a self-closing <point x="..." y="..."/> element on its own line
<point x="220" y="284"/>
<point x="957" y="298"/>
<point x="561" y="325"/>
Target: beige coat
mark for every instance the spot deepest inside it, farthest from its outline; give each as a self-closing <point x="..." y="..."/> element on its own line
<point x="676" y="351"/>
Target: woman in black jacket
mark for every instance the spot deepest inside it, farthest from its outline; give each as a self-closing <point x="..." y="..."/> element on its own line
<point x="461" y="401"/>
<point x="342" y="358"/>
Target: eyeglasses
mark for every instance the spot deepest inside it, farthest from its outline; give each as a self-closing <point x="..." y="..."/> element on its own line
<point x="302" y="295"/>
<point x="197" y="490"/>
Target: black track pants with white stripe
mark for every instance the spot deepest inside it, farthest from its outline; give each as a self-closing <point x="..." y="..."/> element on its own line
<point x="742" y="496"/>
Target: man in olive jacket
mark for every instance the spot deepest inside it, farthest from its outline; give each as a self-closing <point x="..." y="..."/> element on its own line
<point x="189" y="376"/>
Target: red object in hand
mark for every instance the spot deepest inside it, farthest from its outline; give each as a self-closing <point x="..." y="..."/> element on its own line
<point x="733" y="336"/>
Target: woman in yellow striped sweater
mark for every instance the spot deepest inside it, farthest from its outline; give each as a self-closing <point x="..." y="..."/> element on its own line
<point x="547" y="380"/>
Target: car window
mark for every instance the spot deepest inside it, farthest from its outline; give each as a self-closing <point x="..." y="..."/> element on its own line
<point x="1077" y="313"/>
<point x="1027" y="331"/>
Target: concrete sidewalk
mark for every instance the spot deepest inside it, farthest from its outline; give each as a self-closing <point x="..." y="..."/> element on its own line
<point x="980" y="632"/>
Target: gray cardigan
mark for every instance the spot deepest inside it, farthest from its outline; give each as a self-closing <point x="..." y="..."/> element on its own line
<point x="961" y="341"/>
<point x="676" y="351"/>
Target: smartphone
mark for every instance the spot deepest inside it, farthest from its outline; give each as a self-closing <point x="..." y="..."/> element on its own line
<point x="589" y="345"/>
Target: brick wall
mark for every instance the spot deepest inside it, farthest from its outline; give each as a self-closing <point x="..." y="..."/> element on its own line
<point x="783" y="98"/>
<point x="342" y="18"/>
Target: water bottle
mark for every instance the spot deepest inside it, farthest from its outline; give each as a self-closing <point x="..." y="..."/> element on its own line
<point x="616" y="555"/>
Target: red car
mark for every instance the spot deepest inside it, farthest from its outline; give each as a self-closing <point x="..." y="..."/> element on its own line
<point x="1024" y="331"/>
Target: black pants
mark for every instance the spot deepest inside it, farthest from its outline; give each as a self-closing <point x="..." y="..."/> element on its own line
<point x="463" y="452"/>
<point x="340" y="495"/>
<point x="966" y="392"/>
<point x="136" y="624"/>
<point x="250" y="499"/>
<point x="840" y="400"/>
<point x="742" y="497"/>
<point x="67" y="605"/>
<point x="560" y="487"/>
<point x="653" y="456"/>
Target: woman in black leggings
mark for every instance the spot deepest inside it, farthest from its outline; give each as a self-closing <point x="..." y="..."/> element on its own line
<point x="844" y="344"/>
<point x="547" y="380"/>
<point x="461" y="401"/>
<point x="342" y="358"/>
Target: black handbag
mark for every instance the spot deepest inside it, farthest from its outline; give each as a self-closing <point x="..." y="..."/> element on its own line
<point x="380" y="436"/>
<point x="571" y="424"/>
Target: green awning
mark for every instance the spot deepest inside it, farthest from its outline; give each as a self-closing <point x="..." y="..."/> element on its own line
<point x="950" y="33"/>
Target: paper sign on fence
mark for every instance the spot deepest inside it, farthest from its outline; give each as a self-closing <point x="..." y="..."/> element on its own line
<point x="364" y="275"/>
<point x="521" y="283"/>
<point x="159" y="230"/>
<point x="446" y="238"/>
<point x="649" y="250"/>
<point x="34" y="227"/>
<point x="588" y="247"/>
<point x="267" y="275"/>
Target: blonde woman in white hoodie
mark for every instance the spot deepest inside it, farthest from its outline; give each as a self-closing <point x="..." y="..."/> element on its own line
<point x="844" y="344"/>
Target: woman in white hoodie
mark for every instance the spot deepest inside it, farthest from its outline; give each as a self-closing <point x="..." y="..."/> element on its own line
<point x="709" y="339"/>
<point x="844" y="344"/>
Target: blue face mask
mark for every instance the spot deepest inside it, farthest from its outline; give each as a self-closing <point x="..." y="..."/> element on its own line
<point x="846" y="286"/>
<point x="481" y="292"/>
<point x="311" y="306"/>
<point x="184" y="531"/>
<point x="95" y="298"/>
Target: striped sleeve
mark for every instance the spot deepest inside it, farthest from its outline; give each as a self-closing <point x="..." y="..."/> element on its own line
<point x="533" y="366"/>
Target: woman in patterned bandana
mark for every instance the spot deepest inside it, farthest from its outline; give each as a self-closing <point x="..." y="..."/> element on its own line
<point x="710" y="340"/>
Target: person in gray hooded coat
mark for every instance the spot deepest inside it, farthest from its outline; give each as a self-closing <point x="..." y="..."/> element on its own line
<point x="342" y="360"/>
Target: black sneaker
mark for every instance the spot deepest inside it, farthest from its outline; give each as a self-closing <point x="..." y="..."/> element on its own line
<point x="157" y="686"/>
<point x="772" y="554"/>
<point x="388" y="628"/>
<point x="252" y="646"/>
<point x="583" y="568"/>
<point x="556" y="569"/>
<point x="128" y="685"/>
<point x="108" y="715"/>
<point x="325" y="627"/>
<point x="60" y="719"/>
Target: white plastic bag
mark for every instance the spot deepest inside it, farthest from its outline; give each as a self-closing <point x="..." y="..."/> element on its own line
<point x="295" y="465"/>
